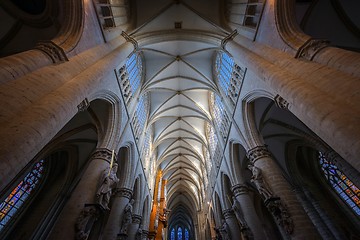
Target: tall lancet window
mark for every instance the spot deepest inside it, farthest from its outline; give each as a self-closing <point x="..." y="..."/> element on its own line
<point x="229" y="76"/>
<point x="186" y="234"/>
<point x="172" y="234"/>
<point x="140" y="116"/>
<point x="13" y="203"/>
<point x="219" y="114"/>
<point x="342" y="185"/>
<point x="179" y="233"/>
<point x="130" y="76"/>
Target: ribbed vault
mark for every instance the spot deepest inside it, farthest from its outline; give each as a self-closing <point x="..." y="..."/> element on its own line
<point x="179" y="80"/>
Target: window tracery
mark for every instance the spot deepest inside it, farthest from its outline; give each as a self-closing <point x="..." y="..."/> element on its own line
<point x="186" y="234"/>
<point x="179" y="233"/>
<point x="11" y="205"/>
<point x="220" y="116"/>
<point x="342" y="185"/>
<point x="130" y="76"/>
<point x="172" y="235"/>
<point x="140" y="116"/>
<point x="229" y="76"/>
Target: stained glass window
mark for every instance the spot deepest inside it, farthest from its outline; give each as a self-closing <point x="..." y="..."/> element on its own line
<point x="172" y="234"/>
<point x="130" y="76"/>
<point x="134" y="69"/>
<point x="179" y="233"/>
<point x="186" y="234"/>
<point x="224" y="65"/>
<point x="229" y="76"/>
<point x="139" y="118"/>
<point x="343" y="186"/>
<point x="220" y="116"/>
<point x="10" y="206"/>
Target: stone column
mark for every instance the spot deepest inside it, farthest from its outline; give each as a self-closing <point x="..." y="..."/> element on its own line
<point x="84" y="193"/>
<point x="241" y="193"/>
<point x="284" y="206"/>
<point x="315" y="106"/>
<point x="51" y="104"/>
<point x="232" y="222"/>
<point x="134" y="227"/>
<point x="119" y="201"/>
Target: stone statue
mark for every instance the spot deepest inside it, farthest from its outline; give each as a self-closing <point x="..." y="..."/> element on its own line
<point x="259" y="182"/>
<point x="225" y="231"/>
<point x="107" y="182"/>
<point x="138" y="234"/>
<point x="126" y="217"/>
<point x="238" y="213"/>
<point x="218" y="234"/>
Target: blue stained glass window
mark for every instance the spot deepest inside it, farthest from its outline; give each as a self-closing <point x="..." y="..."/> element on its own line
<point x="172" y="234"/>
<point x="218" y="111"/>
<point x="344" y="187"/>
<point x="134" y="69"/>
<point x="186" y="234"/>
<point x="13" y="202"/>
<point x="179" y="233"/>
<point x="224" y="65"/>
<point x="141" y="112"/>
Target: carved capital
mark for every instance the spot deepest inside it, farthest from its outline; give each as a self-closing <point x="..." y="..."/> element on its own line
<point x="281" y="214"/>
<point x="258" y="152"/>
<point x="228" y="38"/>
<point x="102" y="154"/>
<point x="228" y="213"/>
<point x="281" y="102"/>
<point x="239" y="189"/>
<point x="84" y="105"/>
<point x="311" y="48"/>
<point x="53" y="51"/>
<point x="128" y="38"/>
<point x="136" y="218"/>
<point x="124" y="192"/>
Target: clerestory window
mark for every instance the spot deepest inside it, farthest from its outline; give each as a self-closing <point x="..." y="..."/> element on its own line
<point x="13" y="203"/>
<point x="342" y="185"/>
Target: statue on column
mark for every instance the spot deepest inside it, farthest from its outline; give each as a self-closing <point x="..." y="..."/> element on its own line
<point x="258" y="179"/>
<point x="138" y="234"/>
<point x="126" y="217"/>
<point x="245" y="230"/>
<point x="225" y="231"/>
<point x="107" y="183"/>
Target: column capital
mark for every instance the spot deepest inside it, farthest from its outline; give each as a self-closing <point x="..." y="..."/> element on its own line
<point x="102" y="154"/>
<point x="123" y="192"/>
<point x="239" y="189"/>
<point x="84" y="105"/>
<point x="136" y="218"/>
<point x="258" y="152"/>
<point x="228" y="213"/>
<point x="52" y="50"/>
<point x="281" y="102"/>
<point x="311" y="48"/>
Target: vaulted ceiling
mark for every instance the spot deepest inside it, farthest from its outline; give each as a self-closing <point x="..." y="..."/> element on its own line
<point x="179" y="79"/>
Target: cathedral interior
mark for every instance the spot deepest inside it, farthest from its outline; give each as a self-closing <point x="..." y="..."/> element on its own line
<point x="179" y="119"/>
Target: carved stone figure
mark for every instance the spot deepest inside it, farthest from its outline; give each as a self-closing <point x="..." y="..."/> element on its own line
<point x="225" y="231"/>
<point x="244" y="228"/>
<point x="85" y="222"/>
<point x="259" y="182"/>
<point x="281" y="215"/>
<point x="138" y="234"/>
<point x="107" y="183"/>
<point x="127" y="217"/>
<point x="218" y="234"/>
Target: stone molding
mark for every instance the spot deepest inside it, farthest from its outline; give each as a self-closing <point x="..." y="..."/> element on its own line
<point x="52" y="50"/>
<point x="258" y="152"/>
<point x="130" y="39"/>
<point x="102" y="154"/>
<point x="84" y="105"/>
<point x="281" y="102"/>
<point x="311" y="48"/>
<point x="239" y="189"/>
<point x="228" y="38"/>
<point x="123" y="192"/>
<point x="136" y="218"/>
